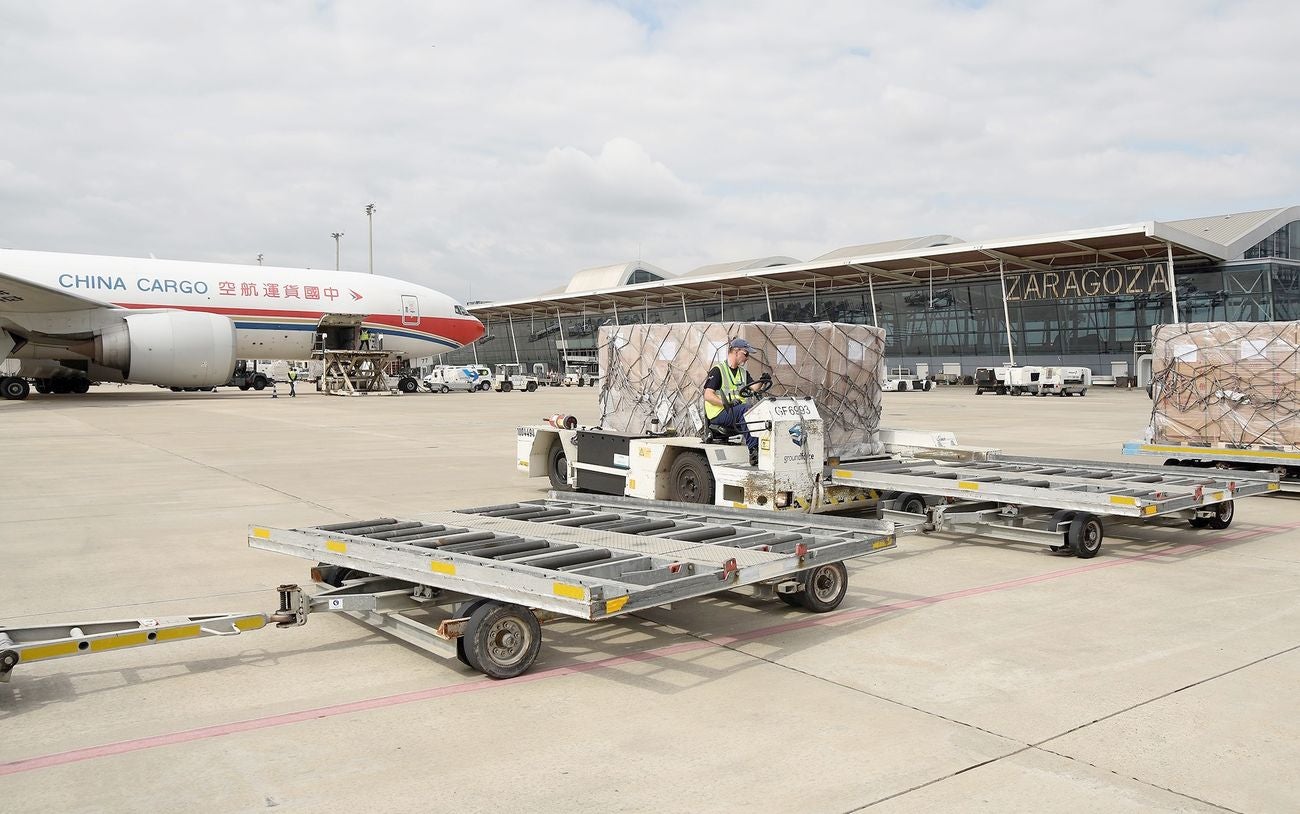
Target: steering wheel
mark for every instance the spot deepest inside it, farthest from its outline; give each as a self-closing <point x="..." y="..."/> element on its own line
<point x="757" y="388"/>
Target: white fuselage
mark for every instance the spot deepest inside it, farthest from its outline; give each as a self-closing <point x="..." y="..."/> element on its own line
<point x="276" y="312"/>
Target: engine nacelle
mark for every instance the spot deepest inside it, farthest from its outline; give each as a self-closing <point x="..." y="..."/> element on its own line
<point x="170" y="348"/>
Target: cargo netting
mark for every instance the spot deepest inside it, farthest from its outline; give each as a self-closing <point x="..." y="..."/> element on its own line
<point x="1230" y="384"/>
<point x="653" y="375"/>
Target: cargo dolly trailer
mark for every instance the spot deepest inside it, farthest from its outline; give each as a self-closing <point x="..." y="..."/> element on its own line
<point x="476" y="584"/>
<point x="1259" y="459"/>
<point x="1060" y="503"/>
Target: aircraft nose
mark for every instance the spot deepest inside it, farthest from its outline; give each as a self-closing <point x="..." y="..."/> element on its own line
<point x="476" y="330"/>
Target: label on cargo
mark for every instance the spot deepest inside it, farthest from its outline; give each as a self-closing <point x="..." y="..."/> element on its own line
<point x="786" y="355"/>
<point x="856" y="350"/>
<point x="1184" y="353"/>
<point x="526" y="432"/>
<point x="1253" y="348"/>
<point x="668" y="350"/>
<point x="622" y="460"/>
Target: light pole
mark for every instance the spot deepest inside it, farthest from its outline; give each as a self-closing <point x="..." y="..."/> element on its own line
<point x="336" y="236"/>
<point x="259" y="258"/>
<point x="370" y="218"/>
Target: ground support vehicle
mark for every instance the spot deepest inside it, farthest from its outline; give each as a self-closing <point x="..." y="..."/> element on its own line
<point x="1257" y="459"/>
<point x="579" y="378"/>
<point x="446" y="378"/>
<point x="1012" y="380"/>
<point x="476" y="584"/>
<point x="1065" y="381"/>
<point x="246" y="375"/>
<point x="923" y="478"/>
<point x="511" y="376"/>
<point x="1060" y="503"/>
<point x="902" y="378"/>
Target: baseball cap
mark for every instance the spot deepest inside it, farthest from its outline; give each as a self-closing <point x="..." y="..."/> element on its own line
<point x="740" y="344"/>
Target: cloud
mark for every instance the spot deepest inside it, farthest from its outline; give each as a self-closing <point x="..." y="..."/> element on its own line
<point x="508" y="145"/>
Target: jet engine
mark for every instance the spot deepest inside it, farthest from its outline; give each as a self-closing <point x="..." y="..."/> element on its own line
<point x="170" y="348"/>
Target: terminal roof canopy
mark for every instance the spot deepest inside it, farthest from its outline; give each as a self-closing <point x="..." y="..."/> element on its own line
<point x="916" y="261"/>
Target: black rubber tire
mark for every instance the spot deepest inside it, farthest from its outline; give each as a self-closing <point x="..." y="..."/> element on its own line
<point x="243" y="387"/>
<point x="81" y="386"/>
<point x="1063" y="516"/>
<point x="466" y="609"/>
<point x="259" y="383"/>
<point x="334" y="575"/>
<point x="407" y="384"/>
<point x="1223" y="514"/>
<point x="557" y="467"/>
<point x="506" y="387"/>
<point x="502" y="640"/>
<point x="690" y="480"/>
<point x="824" y="587"/>
<point x="794" y="600"/>
<point x="1083" y="392"/>
<point x="15" y="388"/>
<point x="910" y="503"/>
<point x="901" y="386"/>
<point x="531" y="387"/>
<point x="42" y="386"/>
<point x="444" y="389"/>
<point x="979" y="392"/>
<point x="1085" y="536"/>
<point x="928" y="384"/>
<point x="1198" y="522"/>
<point x="1001" y="391"/>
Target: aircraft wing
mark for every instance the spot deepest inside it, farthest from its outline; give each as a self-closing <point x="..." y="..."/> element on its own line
<point x="19" y="296"/>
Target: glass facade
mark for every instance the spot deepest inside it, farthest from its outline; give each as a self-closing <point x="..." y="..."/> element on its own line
<point x="1091" y="316"/>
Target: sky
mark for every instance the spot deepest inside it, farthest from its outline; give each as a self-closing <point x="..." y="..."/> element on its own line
<point x="507" y="145"/>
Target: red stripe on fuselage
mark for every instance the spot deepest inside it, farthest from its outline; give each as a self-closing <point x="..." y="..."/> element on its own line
<point x="457" y="329"/>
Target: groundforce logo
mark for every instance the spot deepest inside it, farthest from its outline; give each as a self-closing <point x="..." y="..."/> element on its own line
<point x="1108" y="281"/>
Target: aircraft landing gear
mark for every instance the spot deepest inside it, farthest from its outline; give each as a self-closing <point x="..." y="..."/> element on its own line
<point x="14" y="388"/>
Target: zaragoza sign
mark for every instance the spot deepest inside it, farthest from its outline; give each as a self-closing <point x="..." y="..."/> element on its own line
<point x="1102" y="281"/>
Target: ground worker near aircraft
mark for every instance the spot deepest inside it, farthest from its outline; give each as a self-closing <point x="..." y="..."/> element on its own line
<point x="365" y="339"/>
<point x="723" y="404"/>
<point x="293" y="377"/>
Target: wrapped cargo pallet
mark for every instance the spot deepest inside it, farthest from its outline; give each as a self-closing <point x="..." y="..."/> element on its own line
<point x="653" y="375"/>
<point x="1228" y="384"/>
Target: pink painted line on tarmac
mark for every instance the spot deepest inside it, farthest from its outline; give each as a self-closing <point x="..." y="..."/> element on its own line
<point x="271" y="721"/>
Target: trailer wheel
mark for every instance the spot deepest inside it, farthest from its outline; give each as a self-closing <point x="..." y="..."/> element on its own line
<point x="824" y="587"/>
<point x="1063" y="516"/>
<point x="557" y="467"/>
<point x="502" y="640"/>
<point x="689" y="479"/>
<point x="910" y="503"/>
<point x="1085" y="536"/>
<point x="464" y="611"/>
<point x="1223" y="513"/>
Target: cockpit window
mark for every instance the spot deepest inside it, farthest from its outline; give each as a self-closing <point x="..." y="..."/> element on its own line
<point x="460" y="309"/>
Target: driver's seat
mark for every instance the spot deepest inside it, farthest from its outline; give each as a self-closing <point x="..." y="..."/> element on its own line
<point x="719" y="434"/>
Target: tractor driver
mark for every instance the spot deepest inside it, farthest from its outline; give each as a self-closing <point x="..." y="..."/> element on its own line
<point x="723" y="404"/>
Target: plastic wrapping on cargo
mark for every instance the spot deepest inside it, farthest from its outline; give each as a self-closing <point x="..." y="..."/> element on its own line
<point x="658" y="371"/>
<point x="1231" y="384"/>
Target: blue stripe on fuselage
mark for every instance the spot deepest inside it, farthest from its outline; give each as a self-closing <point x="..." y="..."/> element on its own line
<point x="297" y="326"/>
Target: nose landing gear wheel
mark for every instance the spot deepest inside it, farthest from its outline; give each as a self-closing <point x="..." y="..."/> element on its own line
<point x="14" y="388"/>
<point x="502" y="640"/>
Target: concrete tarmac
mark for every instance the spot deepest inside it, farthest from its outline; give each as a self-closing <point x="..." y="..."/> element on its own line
<point x="959" y="674"/>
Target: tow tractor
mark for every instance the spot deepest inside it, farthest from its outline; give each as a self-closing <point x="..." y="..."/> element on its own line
<point x="477" y="584"/>
<point x="923" y="479"/>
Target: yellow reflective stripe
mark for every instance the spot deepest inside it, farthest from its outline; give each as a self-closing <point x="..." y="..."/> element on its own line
<point x="736" y="505"/>
<point x="1148" y="509"/>
<point x="1123" y="500"/>
<point x="440" y="567"/>
<point x="968" y="484"/>
<point x="48" y="651"/>
<point x="250" y="623"/>
<point x="264" y="534"/>
<point x="885" y="543"/>
<point x="569" y="591"/>
<point x="1273" y="486"/>
<point x="1218" y="495"/>
<point x="337" y="546"/>
<point x="174" y="633"/>
<point x="1221" y="452"/>
<point x="615" y="605"/>
<point x="842" y="473"/>
<point x="121" y="640"/>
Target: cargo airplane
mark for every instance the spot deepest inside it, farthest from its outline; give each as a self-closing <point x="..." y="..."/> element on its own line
<point x="67" y="320"/>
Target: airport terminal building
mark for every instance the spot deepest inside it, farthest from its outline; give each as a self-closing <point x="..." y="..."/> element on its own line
<point x="1085" y="297"/>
